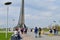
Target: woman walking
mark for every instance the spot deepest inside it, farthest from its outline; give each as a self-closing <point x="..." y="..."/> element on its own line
<point x="39" y="32"/>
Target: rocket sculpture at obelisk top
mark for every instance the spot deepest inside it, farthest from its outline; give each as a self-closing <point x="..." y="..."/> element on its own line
<point x="21" y="22"/>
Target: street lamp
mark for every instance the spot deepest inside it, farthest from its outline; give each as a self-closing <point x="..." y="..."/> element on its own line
<point x="7" y="4"/>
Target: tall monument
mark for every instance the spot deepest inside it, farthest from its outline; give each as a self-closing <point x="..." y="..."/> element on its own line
<point x="21" y="21"/>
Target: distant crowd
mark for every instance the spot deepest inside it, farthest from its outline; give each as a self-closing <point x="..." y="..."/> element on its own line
<point x="37" y="31"/>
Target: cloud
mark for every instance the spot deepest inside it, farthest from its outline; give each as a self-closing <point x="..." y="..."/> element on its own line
<point x="33" y="14"/>
<point x="33" y="17"/>
<point x="37" y="12"/>
<point x="52" y="8"/>
<point x="38" y="3"/>
<point x="46" y="14"/>
<point x="50" y="0"/>
<point x="12" y="14"/>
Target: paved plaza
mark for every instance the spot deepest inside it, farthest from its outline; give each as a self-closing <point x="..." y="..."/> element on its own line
<point x="30" y="36"/>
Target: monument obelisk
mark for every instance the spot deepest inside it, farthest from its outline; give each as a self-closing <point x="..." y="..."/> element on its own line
<point x="21" y="22"/>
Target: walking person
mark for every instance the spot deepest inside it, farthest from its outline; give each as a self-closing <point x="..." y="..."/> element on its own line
<point x="54" y="31"/>
<point x="31" y="30"/>
<point x="22" y="30"/>
<point x="39" y="32"/>
<point x="36" y="31"/>
<point x="25" y="30"/>
<point x="50" y="31"/>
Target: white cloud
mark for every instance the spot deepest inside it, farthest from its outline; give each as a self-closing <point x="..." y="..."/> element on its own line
<point x="36" y="11"/>
<point x="52" y="7"/>
<point x="46" y="14"/>
<point x="36" y="14"/>
<point x="51" y="0"/>
<point x="39" y="3"/>
<point x="28" y="16"/>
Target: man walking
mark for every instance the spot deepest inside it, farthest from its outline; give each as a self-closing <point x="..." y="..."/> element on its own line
<point x="36" y="31"/>
<point x="39" y="32"/>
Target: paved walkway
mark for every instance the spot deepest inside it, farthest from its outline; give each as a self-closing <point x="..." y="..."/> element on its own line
<point x="30" y="36"/>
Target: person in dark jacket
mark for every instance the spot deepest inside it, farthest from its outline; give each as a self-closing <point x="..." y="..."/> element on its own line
<point x="50" y="31"/>
<point x="54" y="31"/>
<point x="18" y="35"/>
<point x="36" y="31"/>
<point x="39" y="32"/>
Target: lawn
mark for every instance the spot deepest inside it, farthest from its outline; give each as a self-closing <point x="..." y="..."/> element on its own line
<point x="3" y="37"/>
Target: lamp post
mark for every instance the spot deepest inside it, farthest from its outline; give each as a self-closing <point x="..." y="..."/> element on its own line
<point x="7" y="4"/>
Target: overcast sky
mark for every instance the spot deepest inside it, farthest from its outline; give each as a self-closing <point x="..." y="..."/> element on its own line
<point x="40" y="13"/>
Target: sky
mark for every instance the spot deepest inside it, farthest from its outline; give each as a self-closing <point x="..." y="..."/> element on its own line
<point x="40" y="13"/>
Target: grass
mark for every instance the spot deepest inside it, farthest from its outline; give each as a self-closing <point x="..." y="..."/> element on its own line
<point x="3" y="37"/>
